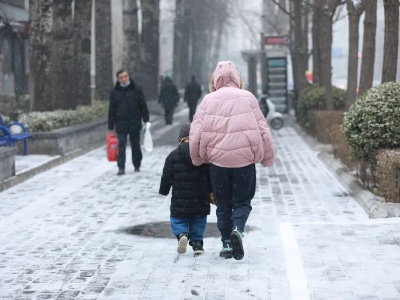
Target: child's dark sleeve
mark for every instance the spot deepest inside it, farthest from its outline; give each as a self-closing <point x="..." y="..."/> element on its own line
<point x="167" y="177"/>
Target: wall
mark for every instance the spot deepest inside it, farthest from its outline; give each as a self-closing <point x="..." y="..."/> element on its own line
<point x="7" y="163"/>
<point x="66" y="140"/>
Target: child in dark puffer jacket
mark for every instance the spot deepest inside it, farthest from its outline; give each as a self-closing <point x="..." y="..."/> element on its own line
<point x="191" y="189"/>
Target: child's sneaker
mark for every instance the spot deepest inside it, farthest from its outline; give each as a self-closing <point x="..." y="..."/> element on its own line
<point x="237" y="244"/>
<point x="197" y="247"/>
<point x="182" y="243"/>
<point x="226" y="251"/>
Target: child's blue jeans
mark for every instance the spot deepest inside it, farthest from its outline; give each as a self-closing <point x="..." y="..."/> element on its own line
<point x="194" y="225"/>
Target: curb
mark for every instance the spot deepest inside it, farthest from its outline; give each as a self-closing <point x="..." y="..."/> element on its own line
<point x="23" y="176"/>
<point x="373" y="205"/>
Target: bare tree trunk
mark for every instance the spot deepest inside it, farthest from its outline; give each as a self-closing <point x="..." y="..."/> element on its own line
<point x="181" y="43"/>
<point x="41" y="23"/>
<point x="187" y="49"/>
<point x="352" y="66"/>
<point x="293" y="48"/>
<point x="62" y="60"/>
<point x="391" y="43"/>
<point x="199" y="40"/>
<point x="148" y="74"/>
<point x="82" y="51"/>
<point x="316" y="36"/>
<point x="199" y="55"/>
<point x="176" y="62"/>
<point x="325" y="47"/>
<point x="104" y="79"/>
<point x="217" y="45"/>
<point x="298" y="48"/>
<point x="368" y="51"/>
<point x="326" y="56"/>
<point x="305" y="27"/>
<point x="131" y="30"/>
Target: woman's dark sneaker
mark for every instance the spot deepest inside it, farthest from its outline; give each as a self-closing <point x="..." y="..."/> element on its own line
<point x="237" y="244"/>
<point x="226" y="251"/>
<point x="197" y="247"/>
<point x="182" y="243"/>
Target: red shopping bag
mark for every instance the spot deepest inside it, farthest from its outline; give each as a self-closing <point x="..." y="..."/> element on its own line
<point x="112" y="147"/>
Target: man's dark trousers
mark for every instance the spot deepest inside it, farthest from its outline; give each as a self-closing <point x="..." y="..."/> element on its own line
<point x="134" y="138"/>
<point x="192" y="110"/>
<point x="169" y="115"/>
<point x="233" y="189"/>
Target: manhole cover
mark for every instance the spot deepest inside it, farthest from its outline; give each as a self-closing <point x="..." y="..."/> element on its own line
<point x="163" y="230"/>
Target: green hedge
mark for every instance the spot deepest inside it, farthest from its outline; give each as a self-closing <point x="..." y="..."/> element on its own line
<point x="373" y="122"/>
<point x="388" y="174"/>
<point x="47" y="121"/>
<point x="313" y="98"/>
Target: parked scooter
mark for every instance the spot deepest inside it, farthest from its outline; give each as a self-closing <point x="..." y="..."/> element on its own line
<point x="274" y="118"/>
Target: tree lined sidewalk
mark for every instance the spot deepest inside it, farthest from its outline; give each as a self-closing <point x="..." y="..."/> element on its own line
<point x="80" y="232"/>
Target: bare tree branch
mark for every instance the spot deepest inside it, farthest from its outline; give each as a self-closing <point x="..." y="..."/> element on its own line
<point x="282" y="8"/>
<point x="338" y="14"/>
<point x="254" y="36"/>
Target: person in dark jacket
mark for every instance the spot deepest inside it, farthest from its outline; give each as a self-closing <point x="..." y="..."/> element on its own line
<point x="191" y="195"/>
<point x="126" y="111"/>
<point x="192" y="95"/>
<point x="169" y="98"/>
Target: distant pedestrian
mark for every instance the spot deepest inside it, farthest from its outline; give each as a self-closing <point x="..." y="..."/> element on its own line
<point x="127" y="110"/>
<point x="192" y="96"/>
<point x="190" y="201"/>
<point x="169" y="98"/>
<point x="230" y="133"/>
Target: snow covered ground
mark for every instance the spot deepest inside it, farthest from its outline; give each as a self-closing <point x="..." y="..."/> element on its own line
<point x="78" y="231"/>
<point x="24" y="163"/>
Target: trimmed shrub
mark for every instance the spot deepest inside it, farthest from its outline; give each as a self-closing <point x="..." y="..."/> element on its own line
<point x="388" y="174"/>
<point x="320" y="123"/>
<point x="341" y="148"/>
<point x="47" y="121"/>
<point x="313" y="98"/>
<point x="373" y="122"/>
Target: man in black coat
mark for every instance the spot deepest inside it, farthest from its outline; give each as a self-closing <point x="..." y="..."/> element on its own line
<point x="192" y="95"/>
<point x="126" y="111"/>
<point x="169" y="98"/>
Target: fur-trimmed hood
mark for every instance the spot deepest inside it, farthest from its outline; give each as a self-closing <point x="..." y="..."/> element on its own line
<point x="226" y="75"/>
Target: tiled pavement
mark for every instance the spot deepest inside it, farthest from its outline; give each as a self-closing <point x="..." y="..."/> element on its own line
<point x="80" y="232"/>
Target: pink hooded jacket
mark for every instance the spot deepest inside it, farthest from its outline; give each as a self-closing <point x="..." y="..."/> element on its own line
<point x="229" y="129"/>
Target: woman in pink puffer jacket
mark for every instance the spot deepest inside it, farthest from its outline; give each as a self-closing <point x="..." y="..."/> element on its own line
<point x="230" y="133"/>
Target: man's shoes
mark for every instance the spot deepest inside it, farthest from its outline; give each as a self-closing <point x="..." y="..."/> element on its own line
<point x="226" y="251"/>
<point x="197" y="247"/>
<point x="182" y="243"/>
<point x="137" y="169"/>
<point x="121" y="172"/>
<point x="237" y="244"/>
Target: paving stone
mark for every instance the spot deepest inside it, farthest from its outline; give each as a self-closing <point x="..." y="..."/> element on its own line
<point x="80" y="232"/>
